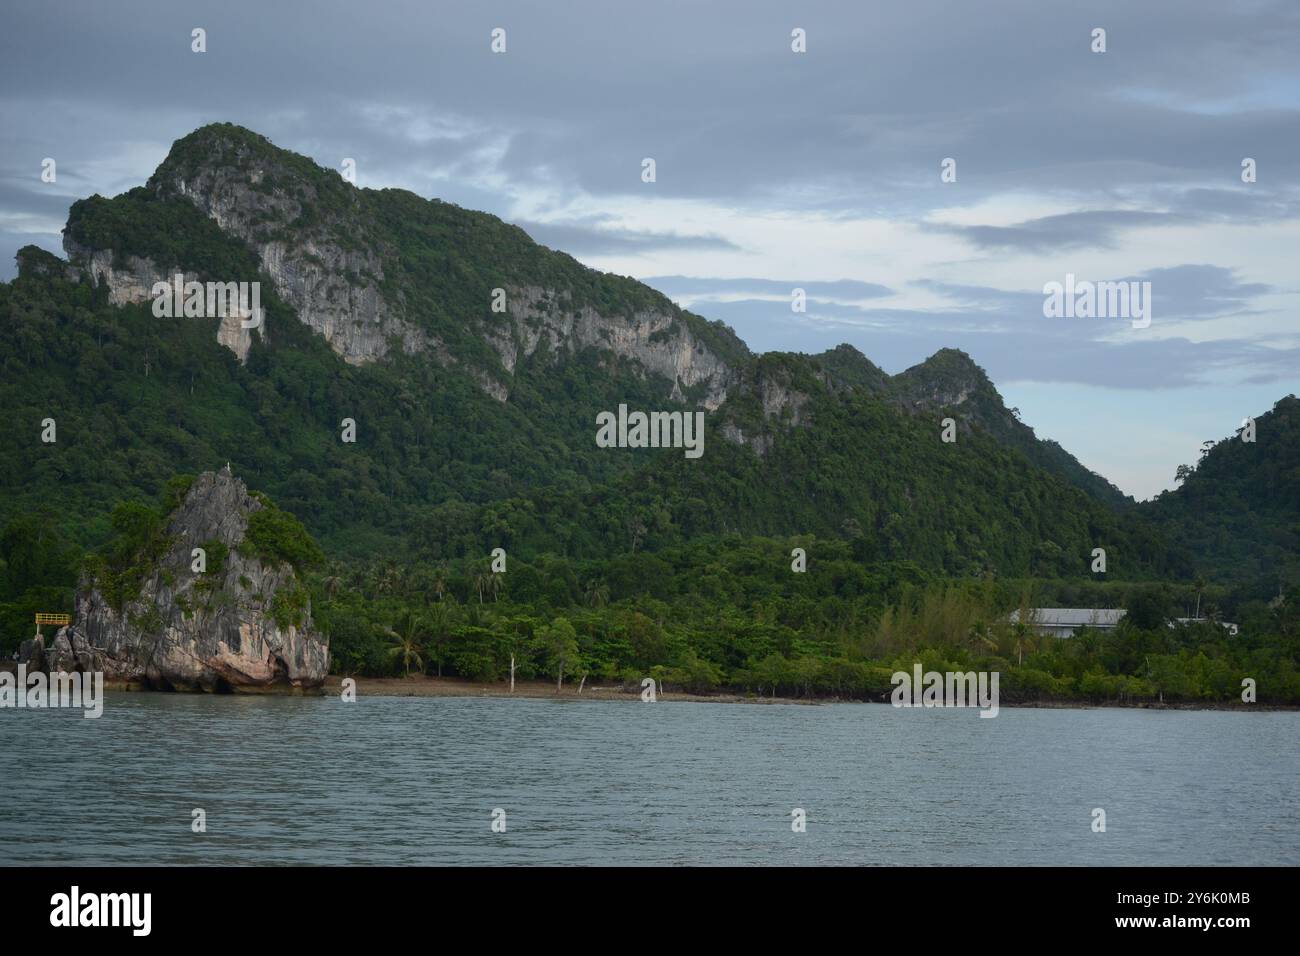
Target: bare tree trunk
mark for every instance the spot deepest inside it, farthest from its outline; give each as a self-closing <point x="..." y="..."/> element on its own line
<point x="559" y="679"/>
<point x="512" y="673"/>
<point x="582" y="683"/>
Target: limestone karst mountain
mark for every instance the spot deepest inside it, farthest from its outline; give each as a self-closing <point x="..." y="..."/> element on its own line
<point x="472" y="363"/>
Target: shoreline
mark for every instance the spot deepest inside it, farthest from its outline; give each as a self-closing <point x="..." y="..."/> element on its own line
<point x="427" y="686"/>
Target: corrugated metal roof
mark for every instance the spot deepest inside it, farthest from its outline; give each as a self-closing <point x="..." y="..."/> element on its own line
<point x="1073" y="616"/>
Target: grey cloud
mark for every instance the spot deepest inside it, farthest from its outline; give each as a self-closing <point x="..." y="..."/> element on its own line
<point x="34" y="201"/>
<point x="1182" y="292"/>
<point x="1101" y="228"/>
<point x="1008" y="334"/>
<point x="1074" y="230"/>
<point x="690" y="286"/>
<point x="716" y="97"/>
<point x="583" y="239"/>
<point x="1201" y="291"/>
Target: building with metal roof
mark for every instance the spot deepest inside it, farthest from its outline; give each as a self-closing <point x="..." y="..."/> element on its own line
<point x="1064" y="621"/>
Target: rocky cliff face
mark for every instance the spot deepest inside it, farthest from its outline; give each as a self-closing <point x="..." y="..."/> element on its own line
<point x="130" y="280"/>
<point x="243" y="624"/>
<point x="334" y="288"/>
<point x="660" y="343"/>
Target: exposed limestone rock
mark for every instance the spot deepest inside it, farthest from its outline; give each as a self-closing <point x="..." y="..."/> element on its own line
<point x="132" y="282"/>
<point x="129" y="281"/>
<point x="334" y="290"/>
<point x="782" y="406"/>
<point x="778" y="399"/>
<point x="233" y="335"/>
<point x="661" y="343"/>
<point x="760" y="442"/>
<point x="947" y="379"/>
<point x="60" y="658"/>
<point x="213" y="631"/>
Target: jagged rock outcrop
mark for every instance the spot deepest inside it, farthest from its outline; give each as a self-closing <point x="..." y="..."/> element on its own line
<point x="244" y="624"/>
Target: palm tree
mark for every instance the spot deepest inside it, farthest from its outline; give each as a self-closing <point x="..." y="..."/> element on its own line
<point x="404" y="649"/>
<point x="438" y="634"/>
<point x="1026" y="639"/>
<point x="483" y="582"/>
<point x="407" y="641"/>
<point x="1199" y="584"/>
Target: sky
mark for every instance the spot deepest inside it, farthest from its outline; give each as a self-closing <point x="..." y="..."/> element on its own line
<point x="774" y="169"/>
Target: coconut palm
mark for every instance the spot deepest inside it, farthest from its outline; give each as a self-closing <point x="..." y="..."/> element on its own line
<point x="438" y="633"/>
<point x="1026" y="640"/>
<point x="483" y="581"/>
<point x="406" y="641"/>
<point x="403" y="649"/>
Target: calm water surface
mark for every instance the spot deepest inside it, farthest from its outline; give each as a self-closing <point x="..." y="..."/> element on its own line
<point x="415" y="780"/>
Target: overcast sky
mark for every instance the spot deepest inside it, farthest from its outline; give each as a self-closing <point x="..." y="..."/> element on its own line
<point x="775" y="169"/>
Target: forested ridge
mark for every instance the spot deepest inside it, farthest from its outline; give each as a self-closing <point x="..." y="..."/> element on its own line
<point x="620" y="561"/>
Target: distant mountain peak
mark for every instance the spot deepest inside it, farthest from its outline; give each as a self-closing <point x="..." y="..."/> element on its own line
<point x="947" y="379"/>
<point x="848" y="367"/>
<point x="218" y="144"/>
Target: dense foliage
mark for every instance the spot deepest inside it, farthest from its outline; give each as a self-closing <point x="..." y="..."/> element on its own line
<point x="730" y="613"/>
<point x="1235" y="513"/>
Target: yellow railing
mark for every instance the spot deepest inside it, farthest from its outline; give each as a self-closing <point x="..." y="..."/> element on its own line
<point x="43" y="618"/>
